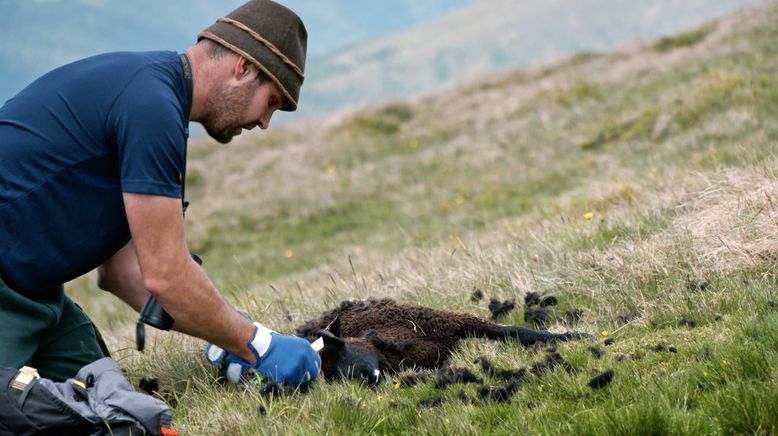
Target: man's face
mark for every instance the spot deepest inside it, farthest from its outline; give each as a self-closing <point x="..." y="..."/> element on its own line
<point x="238" y="106"/>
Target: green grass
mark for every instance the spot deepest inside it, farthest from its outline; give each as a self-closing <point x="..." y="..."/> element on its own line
<point x="684" y="39"/>
<point x="487" y="186"/>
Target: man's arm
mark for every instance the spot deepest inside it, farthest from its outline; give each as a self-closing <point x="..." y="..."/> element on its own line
<point x="120" y="275"/>
<point x="176" y="280"/>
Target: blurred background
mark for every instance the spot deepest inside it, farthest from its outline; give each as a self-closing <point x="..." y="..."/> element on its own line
<point x="359" y="52"/>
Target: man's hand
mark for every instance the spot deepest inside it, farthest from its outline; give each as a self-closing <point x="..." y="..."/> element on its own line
<point x="281" y="358"/>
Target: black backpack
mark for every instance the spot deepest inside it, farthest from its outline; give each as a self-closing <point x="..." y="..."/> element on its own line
<point x="99" y="400"/>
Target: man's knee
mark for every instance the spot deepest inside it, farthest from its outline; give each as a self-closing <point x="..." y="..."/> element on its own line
<point x="71" y="344"/>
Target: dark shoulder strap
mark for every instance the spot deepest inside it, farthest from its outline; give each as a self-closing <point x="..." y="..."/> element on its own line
<point x="187" y="67"/>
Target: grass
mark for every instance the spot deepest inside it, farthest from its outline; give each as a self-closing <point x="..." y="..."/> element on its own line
<point x="684" y="39"/>
<point x="487" y="186"/>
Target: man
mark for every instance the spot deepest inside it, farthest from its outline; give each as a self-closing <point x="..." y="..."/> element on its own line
<point x="92" y="158"/>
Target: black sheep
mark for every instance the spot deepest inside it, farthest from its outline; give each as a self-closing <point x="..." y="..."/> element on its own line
<point x="363" y="339"/>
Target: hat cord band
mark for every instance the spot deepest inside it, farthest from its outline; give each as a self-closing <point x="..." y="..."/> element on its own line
<point x="267" y="43"/>
<point x="253" y="60"/>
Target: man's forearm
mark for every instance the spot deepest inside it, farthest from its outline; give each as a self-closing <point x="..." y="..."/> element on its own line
<point x="200" y="310"/>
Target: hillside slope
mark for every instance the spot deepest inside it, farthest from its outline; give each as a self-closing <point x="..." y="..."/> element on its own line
<point x="412" y="172"/>
<point x="639" y="187"/>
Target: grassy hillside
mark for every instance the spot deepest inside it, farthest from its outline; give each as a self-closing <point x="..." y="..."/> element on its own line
<point x="639" y="186"/>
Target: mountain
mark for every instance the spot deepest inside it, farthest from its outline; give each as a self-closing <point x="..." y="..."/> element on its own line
<point x="488" y="36"/>
<point x="358" y="53"/>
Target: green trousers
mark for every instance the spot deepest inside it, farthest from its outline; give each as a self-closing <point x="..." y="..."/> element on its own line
<point x="51" y="334"/>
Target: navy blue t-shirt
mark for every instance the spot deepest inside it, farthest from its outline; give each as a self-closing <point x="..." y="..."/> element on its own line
<point x="70" y="144"/>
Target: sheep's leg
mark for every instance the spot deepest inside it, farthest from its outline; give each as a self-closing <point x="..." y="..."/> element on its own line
<point x="384" y="344"/>
<point x="526" y="336"/>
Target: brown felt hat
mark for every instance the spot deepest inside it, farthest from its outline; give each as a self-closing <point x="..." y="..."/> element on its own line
<point x="271" y="37"/>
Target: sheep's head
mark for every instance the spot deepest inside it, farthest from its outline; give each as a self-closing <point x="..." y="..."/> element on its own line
<point x="351" y="358"/>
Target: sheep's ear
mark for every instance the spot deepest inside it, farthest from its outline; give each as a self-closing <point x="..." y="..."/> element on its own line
<point x="334" y="326"/>
<point x="330" y="340"/>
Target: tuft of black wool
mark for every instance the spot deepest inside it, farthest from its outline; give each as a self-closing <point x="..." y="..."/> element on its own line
<point x="409" y="380"/>
<point x="477" y="295"/>
<point x="497" y="308"/>
<point x="548" y="300"/>
<point x="531" y="299"/>
<point x="602" y="379"/>
<point x="661" y="348"/>
<point x="551" y="361"/>
<point x="449" y="376"/>
<point x="270" y="389"/>
<point x="536" y="315"/>
<point x="486" y="365"/>
<point x="261" y="410"/>
<point x="698" y="285"/>
<point x="609" y="341"/>
<point x="625" y="319"/>
<point x="573" y="316"/>
<point x="596" y="351"/>
<point x="499" y="393"/>
<point x="466" y="399"/>
<point x="149" y="385"/>
<point x="688" y="322"/>
<point x="431" y="402"/>
<point x="488" y="368"/>
<point x="636" y="356"/>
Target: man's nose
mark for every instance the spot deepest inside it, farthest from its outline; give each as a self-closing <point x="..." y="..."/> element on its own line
<point x="264" y="121"/>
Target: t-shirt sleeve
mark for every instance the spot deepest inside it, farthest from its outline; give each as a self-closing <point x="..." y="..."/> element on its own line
<point x="147" y="122"/>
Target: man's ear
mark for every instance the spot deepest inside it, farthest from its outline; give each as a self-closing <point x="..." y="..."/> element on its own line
<point x="242" y="68"/>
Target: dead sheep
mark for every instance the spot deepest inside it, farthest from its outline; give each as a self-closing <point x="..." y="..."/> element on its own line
<point x="364" y="339"/>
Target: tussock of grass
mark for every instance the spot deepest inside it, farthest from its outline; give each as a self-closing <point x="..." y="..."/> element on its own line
<point x="645" y="196"/>
<point x="684" y="39"/>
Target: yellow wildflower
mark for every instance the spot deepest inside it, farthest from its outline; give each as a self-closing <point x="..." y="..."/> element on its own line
<point x="288" y="254"/>
<point x="605" y="333"/>
<point x="588" y="215"/>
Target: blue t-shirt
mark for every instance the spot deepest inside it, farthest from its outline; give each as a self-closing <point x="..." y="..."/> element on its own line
<point x="70" y="144"/>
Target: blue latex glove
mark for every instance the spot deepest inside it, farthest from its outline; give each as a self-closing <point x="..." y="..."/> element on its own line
<point x="281" y="358"/>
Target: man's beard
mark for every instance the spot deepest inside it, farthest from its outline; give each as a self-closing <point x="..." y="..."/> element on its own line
<point x="223" y="112"/>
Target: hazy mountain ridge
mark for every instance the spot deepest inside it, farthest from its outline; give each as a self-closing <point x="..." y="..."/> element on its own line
<point x="44" y="34"/>
<point x="489" y="36"/>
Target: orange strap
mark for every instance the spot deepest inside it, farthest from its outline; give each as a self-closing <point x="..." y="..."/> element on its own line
<point x="167" y="431"/>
